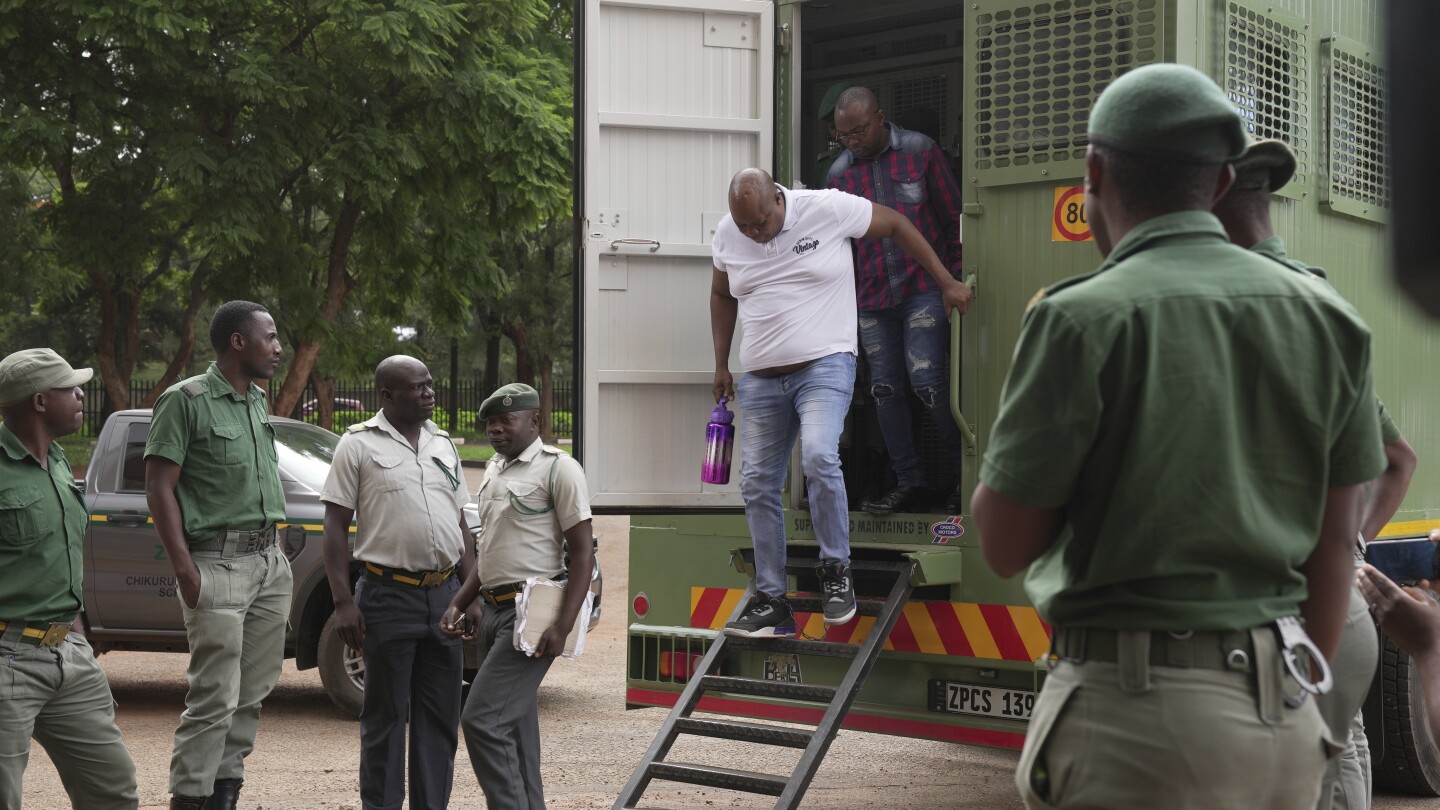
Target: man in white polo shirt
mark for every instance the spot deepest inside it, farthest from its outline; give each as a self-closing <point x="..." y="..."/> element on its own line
<point x="399" y="477"/>
<point x="783" y="264"/>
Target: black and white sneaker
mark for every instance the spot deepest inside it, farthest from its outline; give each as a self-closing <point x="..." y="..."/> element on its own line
<point x="768" y="617"/>
<point x="838" y="591"/>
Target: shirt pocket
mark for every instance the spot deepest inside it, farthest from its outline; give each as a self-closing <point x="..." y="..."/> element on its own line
<point x="268" y="443"/>
<point x="528" y="501"/>
<point x="909" y="187"/>
<point x="447" y="476"/>
<point x="22" y="521"/>
<point x="225" y="443"/>
<point x="389" y="474"/>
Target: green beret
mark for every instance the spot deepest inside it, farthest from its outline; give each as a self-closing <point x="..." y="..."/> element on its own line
<point x="512" y="397"/>
<point x="827" y="104"/>
<point x="1268" y="156"/>
<point x="1171" y="112"/>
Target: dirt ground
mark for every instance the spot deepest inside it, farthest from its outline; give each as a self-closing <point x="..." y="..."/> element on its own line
<point x="307" y="752"/>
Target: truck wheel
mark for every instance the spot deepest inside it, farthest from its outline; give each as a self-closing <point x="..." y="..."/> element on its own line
<point x="342" y="670"/>
<point x="1404" y="756"/>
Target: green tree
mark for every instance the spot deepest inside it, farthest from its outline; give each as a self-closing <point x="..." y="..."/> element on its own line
<point x="326" y="157"/>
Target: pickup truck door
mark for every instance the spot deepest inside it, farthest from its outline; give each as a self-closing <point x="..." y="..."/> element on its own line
<point x="129" y="582"/>
<point x="676" y="98"/>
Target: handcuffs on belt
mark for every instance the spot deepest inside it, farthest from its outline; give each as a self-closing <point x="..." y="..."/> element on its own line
<point x="1294" y="639"/>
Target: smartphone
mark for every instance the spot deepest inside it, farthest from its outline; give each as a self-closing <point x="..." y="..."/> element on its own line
<point x="1405" y="560"/>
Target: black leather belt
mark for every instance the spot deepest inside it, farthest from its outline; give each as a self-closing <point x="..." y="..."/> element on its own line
<point x="39" y="634"/>
<point x="502" y="595"/>
<point x="1229" y="650"/>
<point x="413" y="579"/>
<point x="230" y="542"/>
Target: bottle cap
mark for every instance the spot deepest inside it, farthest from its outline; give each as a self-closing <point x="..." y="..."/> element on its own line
<point x="721" y="414"/>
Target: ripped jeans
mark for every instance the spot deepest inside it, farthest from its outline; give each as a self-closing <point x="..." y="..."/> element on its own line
<point x="906" y="347"/>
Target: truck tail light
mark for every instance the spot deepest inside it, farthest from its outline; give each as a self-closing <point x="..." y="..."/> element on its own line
<point x="641" y="605"/>
<point x="679" y="665"/>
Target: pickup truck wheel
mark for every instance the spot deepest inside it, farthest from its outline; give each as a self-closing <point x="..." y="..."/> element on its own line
<point x="1404" y="756"/>
<point x="342" y="670"/>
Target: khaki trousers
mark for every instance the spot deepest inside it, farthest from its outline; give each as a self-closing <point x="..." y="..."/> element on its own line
<point x="237" y="647"/>
<point x="60" y="697"/>
<point x="1346" y="785"/>
<point x="1126" y="735"/>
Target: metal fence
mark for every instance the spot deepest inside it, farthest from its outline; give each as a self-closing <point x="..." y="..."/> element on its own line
<point x="359" y="400"/>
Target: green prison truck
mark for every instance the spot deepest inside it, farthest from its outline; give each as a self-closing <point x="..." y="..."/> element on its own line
<point x="674" y="96"/>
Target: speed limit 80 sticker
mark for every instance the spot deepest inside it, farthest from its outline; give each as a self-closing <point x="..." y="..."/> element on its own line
<point x="1068" y="222"/>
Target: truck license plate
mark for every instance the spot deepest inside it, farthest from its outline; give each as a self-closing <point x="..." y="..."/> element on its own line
<point x="987" y="701"/>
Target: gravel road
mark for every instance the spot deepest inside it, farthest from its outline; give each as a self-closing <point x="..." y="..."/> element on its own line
<point x="307" y="752"/>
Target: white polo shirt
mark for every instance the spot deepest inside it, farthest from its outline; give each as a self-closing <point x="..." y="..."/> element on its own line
<point x="796" y="292"/>
<point x="408" y="501"/>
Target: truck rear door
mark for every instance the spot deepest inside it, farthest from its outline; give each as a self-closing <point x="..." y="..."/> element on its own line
<point x="676" y="97"/>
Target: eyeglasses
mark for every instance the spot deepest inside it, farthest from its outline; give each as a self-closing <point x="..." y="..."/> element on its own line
<point x="851" y="137"/>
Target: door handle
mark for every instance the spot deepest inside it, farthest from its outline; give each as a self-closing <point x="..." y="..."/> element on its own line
<point x="128" y="520"/>
<point x="653" y="243"/>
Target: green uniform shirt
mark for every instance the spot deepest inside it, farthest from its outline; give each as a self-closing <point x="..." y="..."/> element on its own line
<point x="1274" y="247"/>
<point x="1171" y="405"/>
<point x="225" y="447"/>
<point x="42" y="535"/>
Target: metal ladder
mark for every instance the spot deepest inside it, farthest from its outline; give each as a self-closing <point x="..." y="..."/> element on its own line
<point x="815" y="742"/>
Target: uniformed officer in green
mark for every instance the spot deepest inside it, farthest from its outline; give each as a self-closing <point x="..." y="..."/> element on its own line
<point x="1179" y="458"/>
<point x="534" y="504"/>
<point x="213" y="485"/>
<point x="1266" y="167"/>
<point x="833" y="147"/>
<point x="51" y="687"/>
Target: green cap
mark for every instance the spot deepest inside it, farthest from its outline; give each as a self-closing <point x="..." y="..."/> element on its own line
<point x="1171" y="112"/>
<point x="507" y="398"/>
<point x="30" y="371"/>
<point x="1270" y="156"/>
<point x="827" y="104"/>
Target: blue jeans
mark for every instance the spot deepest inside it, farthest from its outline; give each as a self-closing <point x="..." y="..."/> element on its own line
<point x="906" y="346"/>
<point x="811" y="402"/>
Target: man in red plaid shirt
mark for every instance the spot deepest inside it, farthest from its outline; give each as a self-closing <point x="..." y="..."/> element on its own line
<point x="903" y="309"/>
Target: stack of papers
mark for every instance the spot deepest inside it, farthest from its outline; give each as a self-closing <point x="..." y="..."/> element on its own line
<point x="536" y="609"/>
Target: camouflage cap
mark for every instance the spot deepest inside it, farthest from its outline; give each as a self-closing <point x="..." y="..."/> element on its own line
<point x="507" y="398"/>
<point x="1171" y="112"/>
<point x="30" y="371"/>
<point x="827" y="104"/>
<point x="1265" y="157"/>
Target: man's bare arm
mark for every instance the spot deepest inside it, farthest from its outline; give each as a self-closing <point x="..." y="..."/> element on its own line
<point x="723" y="310"/>
<point x="886" y="222"/>
<point x="1012" y="535"/>
<point x="1330" y="570"/>
<point x="161" y="477"/>
<point x="1390" y="488"/>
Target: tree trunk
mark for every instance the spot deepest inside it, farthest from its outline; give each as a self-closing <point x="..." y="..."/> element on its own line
<point x="547" y="400"/>
<point x="524" y="370"/>
<point x="492" y="364"/>
<point x="338" y="285"/>
<point x="453" y="406"/>
<point x="324" y="389"/>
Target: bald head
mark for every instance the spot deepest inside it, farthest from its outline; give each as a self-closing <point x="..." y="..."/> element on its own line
<point x="396" y="369"/>
<point x="407" y="392"/>
<point x="756" y="205"/>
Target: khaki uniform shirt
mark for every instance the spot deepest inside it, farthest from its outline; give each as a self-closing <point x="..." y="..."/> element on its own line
<point x="42" y="535"/>
<point x="225" y="446"/>
<point x="526" y="505"/>
<point x="408" y="501"/>
<point x="1186" y="406"/>
<point x="1274" y="247"/>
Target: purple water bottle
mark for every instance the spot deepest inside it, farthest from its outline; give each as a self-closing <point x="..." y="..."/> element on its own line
<point x="719" y="441"/>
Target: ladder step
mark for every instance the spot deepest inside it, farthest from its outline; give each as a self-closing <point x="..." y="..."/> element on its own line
<point x="747" y="781"/>
<point x="745" y="732"/>
<point x="772" y="689"/>
<point x="811" y="604"/>
<point x="807" y="565"/>
<point x="829" y="649"/>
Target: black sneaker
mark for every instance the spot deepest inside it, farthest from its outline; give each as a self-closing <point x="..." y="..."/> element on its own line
<point x="767" y="617"/>
<point x="839" y="592"/>
<point x="899" y="499"/>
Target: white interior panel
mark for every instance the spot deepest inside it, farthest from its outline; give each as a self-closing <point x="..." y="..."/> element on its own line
<point x="672" y="109"/>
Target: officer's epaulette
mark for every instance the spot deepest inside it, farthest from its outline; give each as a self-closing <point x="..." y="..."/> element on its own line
<point x="194" y="388"/>
<point x="1310" y="273"/>
<point x="439" y="432"/>
<point x="554" y="451"/>
<point x="1045" y="292"/>
<point x="360" y="427"/>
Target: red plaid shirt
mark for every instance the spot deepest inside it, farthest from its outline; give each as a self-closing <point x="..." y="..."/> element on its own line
<point x="913" y="177"/>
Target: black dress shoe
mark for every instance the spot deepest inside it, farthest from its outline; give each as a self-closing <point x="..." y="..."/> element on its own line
<point x="227" y="793"/>
<point x="896" y="500"/>
<point x="188" y="802"/>
<point x="956" y="502"/>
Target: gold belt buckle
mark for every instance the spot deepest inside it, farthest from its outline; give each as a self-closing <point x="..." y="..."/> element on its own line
<point x="55" y="635"/>
<point x="433" y="578"/>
